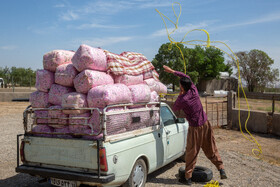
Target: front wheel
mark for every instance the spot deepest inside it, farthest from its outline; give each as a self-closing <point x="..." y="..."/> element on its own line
<point x="138" y="175"/>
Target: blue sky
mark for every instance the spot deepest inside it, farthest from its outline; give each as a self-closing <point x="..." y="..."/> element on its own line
<point x="31" y="28"/>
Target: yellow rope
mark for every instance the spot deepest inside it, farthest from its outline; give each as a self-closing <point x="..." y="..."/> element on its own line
<point x="207" y="43"/>
<point x="212" y="183"/>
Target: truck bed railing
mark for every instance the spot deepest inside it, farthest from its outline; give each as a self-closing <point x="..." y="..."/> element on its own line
<point x="30" y="120"/>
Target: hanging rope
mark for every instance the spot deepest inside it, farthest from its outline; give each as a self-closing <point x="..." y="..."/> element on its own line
<point x="256" y="152"/>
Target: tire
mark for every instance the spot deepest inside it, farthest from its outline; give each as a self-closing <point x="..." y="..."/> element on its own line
<point x="138" y="175"/>
<point x="200" y="174"/>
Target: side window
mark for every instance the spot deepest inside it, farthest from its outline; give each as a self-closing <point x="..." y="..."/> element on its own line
<point x="166" y="116"/>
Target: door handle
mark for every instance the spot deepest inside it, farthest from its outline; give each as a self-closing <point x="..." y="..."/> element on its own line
<point x="168" y="132"/>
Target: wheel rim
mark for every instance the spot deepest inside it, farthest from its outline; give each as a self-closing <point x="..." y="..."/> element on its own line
<point x="138" y="176"/>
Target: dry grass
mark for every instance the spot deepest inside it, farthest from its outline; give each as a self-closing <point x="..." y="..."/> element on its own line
<point x="235" y="141"/>
<point x="10" y="108"/>
<point x="259" y="105"/>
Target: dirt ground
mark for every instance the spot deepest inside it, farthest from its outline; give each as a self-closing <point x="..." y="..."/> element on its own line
<point x="242" y="168"/>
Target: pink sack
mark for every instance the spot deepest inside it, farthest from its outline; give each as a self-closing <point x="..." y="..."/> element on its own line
<point x="140" y="93"/>
<point x="39" y="99"/>
<point x="92" y="137"/>
<point x="152" y="83"/>
<point x="139" y="120"/>
<point x="129" y="79"/>
<point x="88" y="79"/>
<point x="78" y="129"/>
<point x="43" y="129"/>
<point x="154" y="120"/>
<point x="104" y="95"/>
<point x="40" y="114"/>
<point x="44" y="80"/>
<point x="57" y="115"/>
<point x="55" y="58"/>
<point x="78" y="126"/>
<point x="56" y="92"/>
<point x="154" y="96"/>
<point x="162" y="88"/>
<point x="88" y="57"/>
<point x="65" y="74"/>
<point x="114" y="123"/>
<point x="74" y="100"/>
<point x="65" y="129"/>
<point x="156" y="86"/>
<point x="79" y="119"/>
<point x="147" y="75"/>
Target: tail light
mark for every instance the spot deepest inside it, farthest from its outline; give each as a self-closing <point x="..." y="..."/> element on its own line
<point x="103" y="159"/>
<point x="22" y="157"/>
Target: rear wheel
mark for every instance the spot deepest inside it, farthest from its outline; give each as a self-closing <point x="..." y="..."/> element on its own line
<point x="138" y="175"/>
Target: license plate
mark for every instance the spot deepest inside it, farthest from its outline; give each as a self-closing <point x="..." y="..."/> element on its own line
<point x="63" y="183"/>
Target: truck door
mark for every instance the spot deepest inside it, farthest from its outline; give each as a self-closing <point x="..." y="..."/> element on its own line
<point x="175" y="136"/>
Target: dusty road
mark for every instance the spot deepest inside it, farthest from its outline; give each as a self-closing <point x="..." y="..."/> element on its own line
<point x="242" y="169"/>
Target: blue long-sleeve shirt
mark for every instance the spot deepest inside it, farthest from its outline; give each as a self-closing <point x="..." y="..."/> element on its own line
<point x="191" y="105"/>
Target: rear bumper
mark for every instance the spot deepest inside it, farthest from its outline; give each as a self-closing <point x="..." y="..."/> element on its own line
<point x="67" y="175"/>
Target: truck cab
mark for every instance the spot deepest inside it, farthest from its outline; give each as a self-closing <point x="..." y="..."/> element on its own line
<point x="123" y="159"/>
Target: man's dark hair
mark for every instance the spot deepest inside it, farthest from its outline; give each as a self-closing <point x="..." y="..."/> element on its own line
<point x="186" y="83"/>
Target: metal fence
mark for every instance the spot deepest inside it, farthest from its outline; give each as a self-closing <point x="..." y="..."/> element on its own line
<point x="21" y="81"/>
<point x="216" y="110"/>
<point x="267" y="102"/>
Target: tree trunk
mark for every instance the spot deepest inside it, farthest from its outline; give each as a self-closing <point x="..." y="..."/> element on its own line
<point x="251" y="88"/>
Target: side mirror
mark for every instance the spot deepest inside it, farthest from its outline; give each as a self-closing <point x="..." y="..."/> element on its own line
<point x="180" y="120"/>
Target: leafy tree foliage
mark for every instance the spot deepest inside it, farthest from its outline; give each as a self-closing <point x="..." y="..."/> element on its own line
<point x="255" y="69"/>
<point x="208" y="62"/>
<point x="171" y="58"/>
<point x="201" y="63"/>
<point x="18" y="76"/>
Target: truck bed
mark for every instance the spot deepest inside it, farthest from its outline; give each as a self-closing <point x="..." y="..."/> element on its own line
<point x="73" y="153"/>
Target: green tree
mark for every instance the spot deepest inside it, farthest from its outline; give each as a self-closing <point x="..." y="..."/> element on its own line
<point x="255" y="69"/>
<point x="170" y="57"/>
<point x="18" y="76"/>
<point x="23" y="76"/>
<point x="201" y="63"/>
<point x="5" y="74"/>
<point x="208" y="62"/>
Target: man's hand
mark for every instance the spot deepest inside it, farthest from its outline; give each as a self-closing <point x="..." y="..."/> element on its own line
<point x="168" y="69"/>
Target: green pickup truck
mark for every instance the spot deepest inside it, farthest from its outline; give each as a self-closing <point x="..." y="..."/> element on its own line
<point x="113" y="160"/>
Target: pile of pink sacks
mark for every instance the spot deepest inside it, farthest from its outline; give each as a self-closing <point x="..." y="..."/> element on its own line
<point x="72" y="82"/>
